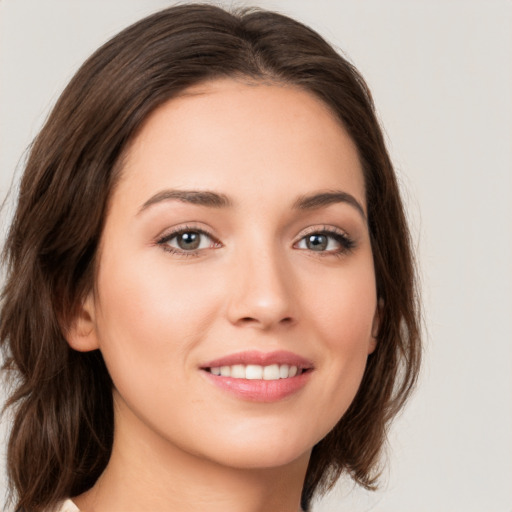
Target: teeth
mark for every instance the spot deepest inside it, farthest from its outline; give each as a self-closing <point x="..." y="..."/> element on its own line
<point x="271" y="372"/>
<point x="256" y="372"/>
<point x="238" y="371"/>
<point x="253" y="372"/>
<point x="284" y="371"/>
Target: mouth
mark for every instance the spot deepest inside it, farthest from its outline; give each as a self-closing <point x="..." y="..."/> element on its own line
<point x="258" y="372"/>
<point x="259" y="377"/>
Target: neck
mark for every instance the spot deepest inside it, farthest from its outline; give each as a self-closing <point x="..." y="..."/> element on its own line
<point x="146" y="472"/>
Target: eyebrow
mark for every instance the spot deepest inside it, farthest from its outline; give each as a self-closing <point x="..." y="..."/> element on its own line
<point x="323" y="199"/>
<point x="199" y="197"/>
<point x="216" y="200"/>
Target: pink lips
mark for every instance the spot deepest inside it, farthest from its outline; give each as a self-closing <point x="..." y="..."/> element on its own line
<point x="260" y="390"/>
<point x="262" y="359"/>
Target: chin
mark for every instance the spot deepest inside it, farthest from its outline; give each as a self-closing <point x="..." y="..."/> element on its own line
<point x="262" y="445"/>
<point x="256" y="456"/>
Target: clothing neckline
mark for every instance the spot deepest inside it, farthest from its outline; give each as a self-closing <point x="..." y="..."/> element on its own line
<point x="68" y="506"/>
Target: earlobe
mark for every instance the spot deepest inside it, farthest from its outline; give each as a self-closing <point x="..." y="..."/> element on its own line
<point x="81" y="333"/>
<point x="372" y="345"/>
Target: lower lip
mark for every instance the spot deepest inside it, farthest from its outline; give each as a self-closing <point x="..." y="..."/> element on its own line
<point x="260" y="390"/>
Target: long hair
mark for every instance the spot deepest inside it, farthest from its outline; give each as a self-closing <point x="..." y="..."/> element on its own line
<point x="62" y="432"/>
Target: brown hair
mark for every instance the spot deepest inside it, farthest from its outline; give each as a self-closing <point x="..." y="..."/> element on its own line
<point x="62" y="432"/>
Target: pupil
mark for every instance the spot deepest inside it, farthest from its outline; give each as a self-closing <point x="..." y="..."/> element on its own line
<point x="317" y="242"/>
<point x="189" y="240"/>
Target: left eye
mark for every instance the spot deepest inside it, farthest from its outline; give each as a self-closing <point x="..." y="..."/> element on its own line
<point x="188" y="241"/>
<point x="323" y="242"/>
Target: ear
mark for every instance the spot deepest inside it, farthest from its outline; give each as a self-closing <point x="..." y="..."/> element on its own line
<point x="81" y="334"/>
<point x="372" y="345"/>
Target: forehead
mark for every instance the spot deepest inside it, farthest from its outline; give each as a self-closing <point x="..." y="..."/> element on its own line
<point x="228" y="134"/>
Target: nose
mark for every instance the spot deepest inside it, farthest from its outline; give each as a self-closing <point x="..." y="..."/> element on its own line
<point x="262" y="292"/>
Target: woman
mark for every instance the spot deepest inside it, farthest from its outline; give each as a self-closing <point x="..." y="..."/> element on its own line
<point x="210" y="298"/>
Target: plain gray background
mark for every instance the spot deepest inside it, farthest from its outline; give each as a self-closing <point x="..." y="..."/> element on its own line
<point x="441" y="75"/>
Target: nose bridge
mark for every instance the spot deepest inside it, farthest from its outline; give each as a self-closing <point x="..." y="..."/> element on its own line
<point x="262" y="287"/>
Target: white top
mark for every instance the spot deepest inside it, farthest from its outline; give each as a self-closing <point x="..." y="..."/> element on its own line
<point x="68" y="506"/>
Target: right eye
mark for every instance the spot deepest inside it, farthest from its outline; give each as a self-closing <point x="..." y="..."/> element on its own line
<point x="326" y="241"/>
<point x="187" y="241"/>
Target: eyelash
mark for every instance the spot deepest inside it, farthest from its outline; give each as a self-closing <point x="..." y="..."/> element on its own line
<point x="345" y="242"/>
<point x="165" y="239"/>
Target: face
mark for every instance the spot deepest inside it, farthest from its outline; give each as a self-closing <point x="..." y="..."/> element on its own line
<point x="235" y="299"/>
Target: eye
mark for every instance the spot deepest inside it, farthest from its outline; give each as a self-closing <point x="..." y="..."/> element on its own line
<point x="326" y="241"/>
<point x="187" y="241"/>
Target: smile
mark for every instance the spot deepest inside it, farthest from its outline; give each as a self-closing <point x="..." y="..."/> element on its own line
<point x="258" y="376"/>
<point x="257" y="372"/>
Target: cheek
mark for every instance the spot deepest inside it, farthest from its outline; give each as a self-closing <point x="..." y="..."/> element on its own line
<point x="150" y="317"/>
<point x="150" y="321"/>
<point x="342" y="318"/>
<point x="151" y="293"/>
<point x="343" y="309"/>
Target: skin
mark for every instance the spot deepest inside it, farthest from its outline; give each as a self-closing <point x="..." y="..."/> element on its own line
<point x="180" y="442"/>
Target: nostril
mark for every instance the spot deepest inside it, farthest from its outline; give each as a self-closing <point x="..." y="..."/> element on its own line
<point x="288" y="320"/>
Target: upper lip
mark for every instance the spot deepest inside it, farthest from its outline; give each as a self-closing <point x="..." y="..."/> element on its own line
<point x="261" y="358"/>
